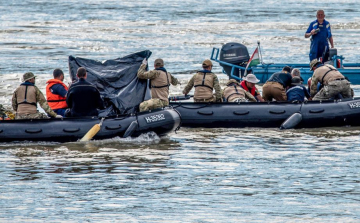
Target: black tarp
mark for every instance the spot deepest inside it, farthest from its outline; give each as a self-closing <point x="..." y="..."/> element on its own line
<point x="116" y="80"/>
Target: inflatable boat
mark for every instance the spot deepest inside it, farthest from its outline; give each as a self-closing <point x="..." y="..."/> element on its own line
<point x="286" y="115"/>
<point x="160" y="121"/>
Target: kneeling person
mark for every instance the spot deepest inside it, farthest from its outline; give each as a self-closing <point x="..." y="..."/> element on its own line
<point x="233" y="92"/>
<point x="333" y="81"/>
<point x="297" y="92"/>
<point x="160" y="81"/>
<point x="248" y="84"/>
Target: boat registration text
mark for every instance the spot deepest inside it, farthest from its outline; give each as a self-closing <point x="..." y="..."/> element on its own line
<point x="155" y="118"/>
<point x="354" y="105"/>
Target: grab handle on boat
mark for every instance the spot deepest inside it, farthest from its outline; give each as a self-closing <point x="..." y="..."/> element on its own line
<point x="277" y="112"/>
<point x="113" y="127"/>
<point x="71" y="130"/>
<point x="205" y="112"/>
<point x="317" y="110"/>
<point x="241" y="112"/>
<point x="33" y="130"/>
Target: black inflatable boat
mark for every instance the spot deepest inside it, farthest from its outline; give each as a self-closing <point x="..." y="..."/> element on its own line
<point x="160" y="121"/>
<point x="311" y="114"/>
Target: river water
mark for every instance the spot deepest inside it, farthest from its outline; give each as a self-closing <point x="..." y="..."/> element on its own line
<point x="194" y="175"/>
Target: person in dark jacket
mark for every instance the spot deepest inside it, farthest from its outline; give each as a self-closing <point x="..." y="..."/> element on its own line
<point x="275" y="87"/>
<point x="83" y="98"/>
<point x="297" y="92"/>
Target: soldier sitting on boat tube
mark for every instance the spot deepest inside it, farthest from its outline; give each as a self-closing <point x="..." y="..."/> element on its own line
<point x="160" y="81"/>
<point x="56" y="92"/>
<point x="233" y="92"/>
<point x="26" y="97"/>
<point x="275" y="87"/>
<point x="204" y="82"/>
<point x="333" y="81"/>
<point x="248" y="84"/>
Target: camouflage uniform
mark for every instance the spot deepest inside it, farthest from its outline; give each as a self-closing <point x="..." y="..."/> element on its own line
<point x="233" y="92"/>
<point x="199" y="96"/>
<point x="159" y="94"/>
<point x="29" y="111"/>
<point x="334" y="83"/>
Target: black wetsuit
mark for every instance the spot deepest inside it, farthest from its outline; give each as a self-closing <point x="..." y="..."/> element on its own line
<point x="84" y="99"/>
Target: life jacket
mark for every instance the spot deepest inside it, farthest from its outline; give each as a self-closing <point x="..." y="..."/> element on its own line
<point x="232" y="91"/>
<point x="327" y="73"/>
<point x="55" y="101"/>
<point x="160" y="85"/>
<point x="26" y="98"/>
<point x="203" y="84"/>
<point x="253" y="90"/>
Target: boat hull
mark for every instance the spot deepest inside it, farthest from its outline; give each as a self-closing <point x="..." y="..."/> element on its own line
<point x="161" y="121"/>
<point x="268" y="114"/>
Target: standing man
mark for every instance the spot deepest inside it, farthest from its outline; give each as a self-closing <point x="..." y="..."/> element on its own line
<point x="248" y="84"/>
<point x="25" y="99"/>
<point x="204" y="82"/>
<point x="332" y="80"/>
<point x="160" y="81"/>
<point x="56" y="92"/>
<point x="320" y="33"/>
<point x="83" y="98"/>
<point x="275" y="87"/>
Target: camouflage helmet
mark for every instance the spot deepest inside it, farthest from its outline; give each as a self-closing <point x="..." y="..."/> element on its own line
<point x="313" y="63"/>
<point x="28" y="76"/>
<point x="231" y="81"/>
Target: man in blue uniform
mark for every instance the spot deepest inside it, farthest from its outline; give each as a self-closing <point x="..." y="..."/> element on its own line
<point x="320" y="33"/>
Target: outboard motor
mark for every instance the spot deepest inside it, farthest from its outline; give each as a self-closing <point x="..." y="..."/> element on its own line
<point x="234" y="53"/>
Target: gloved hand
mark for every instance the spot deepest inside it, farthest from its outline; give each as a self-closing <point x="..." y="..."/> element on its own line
<point x="144" y="61"/>
<point x="58" y="116"/>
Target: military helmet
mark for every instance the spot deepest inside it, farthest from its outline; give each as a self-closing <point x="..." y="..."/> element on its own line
<point x="313" y="63"/>
<point x="231" y="81"/>
<point x="28" y="76"/>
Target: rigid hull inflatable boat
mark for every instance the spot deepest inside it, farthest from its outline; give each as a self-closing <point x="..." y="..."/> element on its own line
<point x="311" y="114"/>
<point x="160" y="121"/>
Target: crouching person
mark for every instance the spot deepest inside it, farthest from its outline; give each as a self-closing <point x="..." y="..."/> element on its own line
<point x="297" y="92"/>
<point x="160" y="81"/>
<point x="333" y="81"/>
<point x="233" y="92"/>
<point x="26" y="97"/>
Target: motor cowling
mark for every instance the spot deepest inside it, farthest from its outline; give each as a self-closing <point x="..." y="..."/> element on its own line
<point x="234" y="53"/>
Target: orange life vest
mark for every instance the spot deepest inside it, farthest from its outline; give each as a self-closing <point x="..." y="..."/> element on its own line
<point x="55" y="101"/>
<point x="253" y="90"/>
